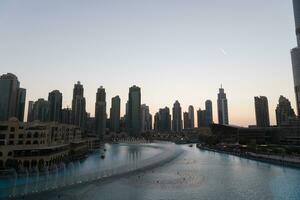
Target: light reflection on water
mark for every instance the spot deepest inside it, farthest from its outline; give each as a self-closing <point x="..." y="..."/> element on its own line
<point x="197" y="174"/>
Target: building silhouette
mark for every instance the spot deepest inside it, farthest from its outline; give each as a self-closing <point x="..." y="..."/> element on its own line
<point x="262" y="111"/>
<point x="55" y="102"/>
<point x="41" y="110"/>
<point x="30" y="111"/>
<point x="201" y="116"/>
<point x="100" y="112"/>
<point x="209" y="112"/>
<point x="66" y="116"/>
<point x="191" y="116"/>
<point x="78" y="106"/>
<point x="134" y="111"/>
<point x="146" y="118"/>
<point x="162" y="120"/>
<point x="115" y="114"/>
<point x="186" y="122"/>
<point x="222" y="107"/>
<point x="295" y="54"/>
<point x="284" y="111"/>
<point x="177" y="117"/>
<point x="12" y="98"/>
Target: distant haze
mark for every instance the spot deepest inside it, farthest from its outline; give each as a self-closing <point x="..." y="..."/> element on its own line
<point x="173" y="49"/>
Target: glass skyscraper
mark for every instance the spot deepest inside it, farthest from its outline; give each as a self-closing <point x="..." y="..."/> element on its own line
<point x="295" y="53"/>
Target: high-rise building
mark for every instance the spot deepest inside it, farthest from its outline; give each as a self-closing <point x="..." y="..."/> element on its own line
<point x="12" y="98"/>
<point x="295" y="54"/>
<point x="222" y="107"/>
<point x="262" y="111"/>
<point x="66" y="116"/>
<point x="21" y="101"/>
<point x="156" y="121"/>
<point x="191" y="117"/>
<point x="30" y="111"/>
<point x="100" y="112"/>
<point x="284" y="111"/>
<point x="146" y="118"/>
<point x="55" y="101"/>
<point x="163" y="119"/>
<point x="209" y="112"/>
<point x="186" y="122"/>
<point x="134" y="111"/>
<point x="78" y="106"/>
<point x="177" y="117"/>
<point x="40" y="110"/>
<point x="201" y="115"/>
<point x="115" y="114"/>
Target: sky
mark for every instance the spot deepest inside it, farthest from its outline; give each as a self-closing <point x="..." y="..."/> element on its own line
<point x="173" y="49"/>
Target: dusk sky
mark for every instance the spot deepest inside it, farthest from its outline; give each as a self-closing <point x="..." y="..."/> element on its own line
<point x="173" y="49"/>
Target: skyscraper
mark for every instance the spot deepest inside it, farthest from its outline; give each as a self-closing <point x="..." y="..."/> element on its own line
<point x="222" y="107"/>
<point x="284" y="111"/>
<point x="209" y="112"/>
<point x="134" y="111"/>
<point x="191" y="117"/>
<point x="78" y="106"/>
<point x="146" y="118"/>
<point x="201" y="116"/>
<point x="12" y="98"/>
<point x="177" y="117"/>
<point x="163" y="118"/>
<point x="100" y="112"/>
<point x="295" y="54"/>
<point x="40" y="110"/>
<point x="55" y="101"/>
<point x="186" y="123"/>
<point x="21" y="101"/>
<point x="115" y="114"/>
<point x="30" y="111"/>
<point x="262" y="111"/>
<point x="66" y="116"/>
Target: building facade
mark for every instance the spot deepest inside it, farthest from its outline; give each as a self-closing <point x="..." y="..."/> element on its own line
<point x="134" y="111"/>
<point x="55" y="103"/>
<point x="115" y="114"/>
<point x="262" y="111"/>
<point x="12" y="98"/>
<point x="177" y="117"/>
<point x="222" y="107"/>
<point x="78" y="106"/>
<point x="284" y="111"/>
<point x="100" y="112"/>
<point x="209" y="112"/>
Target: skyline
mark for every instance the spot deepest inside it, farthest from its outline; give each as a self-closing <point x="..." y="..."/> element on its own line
<point x="234" y="49"/>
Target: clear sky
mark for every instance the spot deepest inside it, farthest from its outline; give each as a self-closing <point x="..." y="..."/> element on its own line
<point x="172" y="49"/>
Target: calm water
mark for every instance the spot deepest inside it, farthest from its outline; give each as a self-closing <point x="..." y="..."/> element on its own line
<point x="195" y="174"/>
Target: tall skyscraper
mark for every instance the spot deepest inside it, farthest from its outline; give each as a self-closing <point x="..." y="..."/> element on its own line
<point x="115" y="114"/>
<point x="209" y="112"/>
<point x="191" y="117"/>
<point x="295" y="54"/>
<point x="222" y="107"/>
<point x="78" y="106"/>
<point x="12" y="98"/>
<point x="146" y="118"/>
<point x="284" y="111"/>
<point x="66" y="116"/>
<point x="55" y="101"/>
<point x="134" y="111"/>
<point x="201" y="116"/>
<point x="30" y="111"/>
<point x="21" y="101"/>
<point x="186" y="122"/>
<point x="163" y="118"/>
<point x="41" y="110"/>
<point x="262" y="111"/>
<point x="100" y="112"/>
<point x="177" y="117"/>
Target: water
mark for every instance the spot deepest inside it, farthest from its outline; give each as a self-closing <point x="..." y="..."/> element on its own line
<point x="194" y="174"/>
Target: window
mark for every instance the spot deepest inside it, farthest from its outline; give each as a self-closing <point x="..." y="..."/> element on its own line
<point x="28" y="142"/>
<point x="11" y="142"/>
<point x="2" y="136"/>
<point x="11" y="136"/>
<point x="3" y="128"/>
<point x="9" y="153"/>
<point x="12" y="129"/>
<point x="21" y="136"/>
<point x="20" y="142"/>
